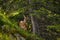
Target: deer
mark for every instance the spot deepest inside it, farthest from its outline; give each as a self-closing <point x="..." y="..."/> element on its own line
<point x="23" y="23"/>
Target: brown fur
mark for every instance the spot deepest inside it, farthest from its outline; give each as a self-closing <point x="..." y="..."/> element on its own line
<point x="23" y="24"/>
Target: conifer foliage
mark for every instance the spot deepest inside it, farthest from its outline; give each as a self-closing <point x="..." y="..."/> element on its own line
<point x="45" y="13"/>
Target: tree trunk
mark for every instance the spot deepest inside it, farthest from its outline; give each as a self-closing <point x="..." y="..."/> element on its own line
<point x="33" y="24"/>
<point x="32" y="18"/>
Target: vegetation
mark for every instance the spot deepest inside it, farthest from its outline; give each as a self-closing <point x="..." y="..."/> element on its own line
<point x="43" y="20"/>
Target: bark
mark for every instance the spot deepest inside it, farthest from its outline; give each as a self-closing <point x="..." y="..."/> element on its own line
<point x="33" y="24"/>
<point x="32" y="18"/>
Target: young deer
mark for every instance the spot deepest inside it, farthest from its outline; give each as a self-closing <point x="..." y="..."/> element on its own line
<point x="23" y="23"/>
